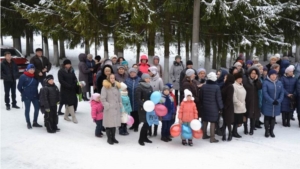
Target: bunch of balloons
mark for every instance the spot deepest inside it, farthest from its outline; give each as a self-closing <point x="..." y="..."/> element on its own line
<point x="187" y="131"/>
<point x="152" y="105"/>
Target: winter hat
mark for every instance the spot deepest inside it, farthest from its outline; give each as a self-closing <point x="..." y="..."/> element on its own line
<point x="255" y="58"/>
<point x="186" y="94"/>
<point x="98" y="58"/>
<point x="277" y="55"/>
<point x="156" y="57"/>
<point x="66" y="62"/>
<point x="273" y="57"/>
<point x="165" y="88"/>
<point x="143" y="57"/>
<point x="123" y="86"/>
<point x="169" y="85"/>
<point x="132" y="70"/>
<point x="238" y="75"/>
<point x="177" y="57"/>
<point x="189" y="62"/>
<point x="124" y="63"/>
<point x="265" y="68"/>
<point x="153" y="69"/>
<point x="49" y="77"/>
<point x="237" y="64"/>
<point x="38" y="50"/>
<point x="114" y="56"/>
<point x="95" y="96"/>
<point x="272" y="72"/>
<point x="145" y="76"/>
<point x="107" y="62"/>
<point x="201" y="70"/>
<point x="30" y="66"/>
<point x="212" y="76"/>
<point x="189" y="72"/>
<point x="249" y="62"/>
<point x="291" y="68"/>
<point x="232" y="69"/>
<point x="121" y="67"/>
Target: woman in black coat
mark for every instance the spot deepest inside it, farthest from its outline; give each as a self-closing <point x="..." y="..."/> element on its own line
<point x="212" y="105"/>
<point x="228" y="110"/>
<point x="142" y="94"/>
<point x="252" y="85"/>
<point x="105" y="72"/>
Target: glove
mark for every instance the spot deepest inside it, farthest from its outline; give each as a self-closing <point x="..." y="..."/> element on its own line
<point x="47" y="110"/>
<point x="275" y="102"/>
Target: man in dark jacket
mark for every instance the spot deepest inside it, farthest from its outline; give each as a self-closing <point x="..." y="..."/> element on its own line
<point x="189" y="65"/>
<point x="9" y="74"/>
<point x="42" y="65"/>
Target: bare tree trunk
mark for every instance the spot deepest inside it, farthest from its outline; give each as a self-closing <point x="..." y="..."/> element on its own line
<point x="207" y="55"/>
<point x="297" y="56"/>
<point x="167" y="39"/>
<point x="96" y="45"/>
<point x="265" y="53"/>
<point x="87" y="47"/>
<point x="231" y="57"/>
<point x="178" y="41"/>
<point x="55" y="53"/>
<point x="214" y="66"/>
<point x="45" y="47"/>
<point x="2" y="40"/>
<point x="187" y="48"/>
<point x="151" y="44"/>
<point x="27" y="43"/>
<point x="195" y="36"/>
<point x="31" y="42"/>
<point x="138" y="51"/>
<point x="17" y="43"/>
<point x="62" y="52"/>
<point x="105" y="44"/>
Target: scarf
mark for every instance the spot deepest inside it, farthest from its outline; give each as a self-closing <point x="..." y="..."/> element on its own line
<point x="250" y="80"/>
<point x="28" y="74"/>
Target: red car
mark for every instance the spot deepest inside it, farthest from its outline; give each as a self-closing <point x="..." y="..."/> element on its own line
<point x="17" y="56"/>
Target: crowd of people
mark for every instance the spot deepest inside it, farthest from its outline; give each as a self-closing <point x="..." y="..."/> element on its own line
<point x="238" y="96"/>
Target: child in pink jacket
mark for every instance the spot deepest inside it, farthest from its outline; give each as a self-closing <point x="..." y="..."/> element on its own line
<point x="97" y="113"/>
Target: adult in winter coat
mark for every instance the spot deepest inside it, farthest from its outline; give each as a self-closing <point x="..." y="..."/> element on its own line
<point x="114" y="64"/>
<point x="132" y="83"/>
<point x="221" y="76"/>
<point x="84" y="72"/>
<point x="176" y="68"/>
<point x="252" y="85"/>
<point x="201" y="72"/>
<point x="285" y="63"/>
<point x="121" y="75"/>
<point x="289" y="87"/>
<point x="158" y="66"/>
<point x="91" y="66"/>
<point x="273" y="94"/>
<point x="190" y="83"/>
<point x="228" y="109"/>
<point x="212" y="105"/>
<point x="111" y="100"/>
<point x="157" y="85"/>
<point x="9" y="74"/>
<point x="298" y="99"/>
<point x="239" y="102"/>
<point x="106" y="71"/>
<point x="27" y="86"/>
<point x="143" y="65"/>
<point x="273" y="60"/>
<point x="142" y="94"/>
<point x="41" y="64"/>
<point x="48" y="102"/>
<point x="68" y="89"/>
<point x="189" y="65"/>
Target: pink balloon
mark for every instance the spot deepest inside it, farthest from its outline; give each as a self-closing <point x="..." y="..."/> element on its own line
<point x="160" y="110"/>
<point x="130" y="120"/>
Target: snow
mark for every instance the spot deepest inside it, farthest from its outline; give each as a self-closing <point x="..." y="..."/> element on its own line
<point x="76" y="147"/>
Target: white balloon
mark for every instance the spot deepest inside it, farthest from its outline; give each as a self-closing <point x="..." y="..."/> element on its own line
<point x="149" y="106"/>
<point x="195" y="125"/>
<point x="124" y="117"/>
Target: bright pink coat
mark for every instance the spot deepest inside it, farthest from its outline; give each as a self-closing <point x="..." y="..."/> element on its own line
<point x="96" y="110"/>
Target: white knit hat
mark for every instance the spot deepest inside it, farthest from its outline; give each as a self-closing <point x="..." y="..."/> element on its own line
<point x="123" y="86"/>
<point x="237" y="64"/>
<point x="187" y="93"/>
<point x="114" y="56"/>
<point x="277" y="55"/>
<point x="153" y="69"/>
<point x="212" y="76"/>
<point x="291" y="68"/>
<point x="189" y="72"/>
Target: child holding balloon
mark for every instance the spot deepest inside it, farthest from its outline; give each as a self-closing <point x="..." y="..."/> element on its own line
<point x="187" y="113"/>
<point x="166" y="120"/>
<point x="126" y="108"/>
<point x="97" y="113"/>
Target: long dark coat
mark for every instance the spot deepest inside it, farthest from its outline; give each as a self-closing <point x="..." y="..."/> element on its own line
<point x="227" y="91"/>
<point x="83" y="71"/>
<point x="103" y="77"/>
<point x="39" y="66"/>
<point x="142" y="94"/>
<point x="68" y="83"/>
<point x="252" y="97"/>
<point x="192" y="86"/>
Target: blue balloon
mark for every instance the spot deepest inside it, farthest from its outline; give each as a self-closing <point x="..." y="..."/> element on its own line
<point x="186" y="132"/>
<point x="155" y="97"/>
<point x="152" y="118"/>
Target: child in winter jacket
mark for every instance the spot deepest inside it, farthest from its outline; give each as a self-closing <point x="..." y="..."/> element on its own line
<point x="126" y="108"/>
<point x="170" y="85"/>
<point x="166" y="120"/>
<point x="97" y="113"/>
<point x="187" y="113"/>
<point x="49" y="97"/>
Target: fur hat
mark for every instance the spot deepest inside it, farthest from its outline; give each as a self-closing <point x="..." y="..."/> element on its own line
<point x="66" y="62"/>
<point x="187" y="93"/>
<point x="153" y="69"/>
<point x="123" y="86"/>
<point x="212" y="76"/>
<point x="291" y="68"/>
<point x="238" y="75"/>
<point x="189" y="62"/>
<point x="189" y="72"/>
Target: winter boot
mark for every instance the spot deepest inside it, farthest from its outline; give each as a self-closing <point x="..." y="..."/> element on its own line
<point x="212" y="133"/>
<point x="218" y="130"/>
<point x="35" y="124"/>
<point x="292" y="116"/>
<point x="72" y="112"/>
<point x="29" y="126"/>
<point x="142" y="137"/>
<point x="288" y="119"/>
<point x="229" y="136"/>
<point x="184" y="142"/>
<point x="224" y="133"/>
<point x="150" y="131"/>
<point x="190" y="142"/>
<point x="125" y="129"/>
<point x="103" y="129"/>
<point x="155" y="130"/>
<point x="109" y="136"/>
<point x="84" y="97"/>
<point x="267" y="126"/>
<point x="272" y="125"/>
<point x="246" y="127"/>
<point x="299" y="119"/>
<point x="164" y="139"/>
<point x="114" y="135"/>
<point x="252" y="126"/>
<point x="234" y="132"/>
<point x="205" y="136"/>
<point x="283" y="116"/>
<point x="257" y="124"/>
<point x="66" y="117"/>
<point x="121" y="130"/>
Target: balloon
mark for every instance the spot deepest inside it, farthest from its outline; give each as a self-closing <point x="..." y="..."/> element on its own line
<point x="195" y="125"/>
<point x="152" y="118"/>
<point x="175" y="130"/>
<point x="197" y="134"/>
<point x="155" y="97"/>
<point x="124" y="117"/>
<point x="130" y="120"/>
<point x="160" y="110"/>
<point x="148" y="106"/>
<point x="186" y="132"/>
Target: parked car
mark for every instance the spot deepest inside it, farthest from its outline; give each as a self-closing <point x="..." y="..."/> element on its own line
<point x="17" y="56"/>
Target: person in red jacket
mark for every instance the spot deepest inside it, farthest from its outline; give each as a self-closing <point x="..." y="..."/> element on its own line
<point x="143" y="66"/>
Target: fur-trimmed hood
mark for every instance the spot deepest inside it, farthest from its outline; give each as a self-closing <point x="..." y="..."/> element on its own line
<point x="108" y="85"/>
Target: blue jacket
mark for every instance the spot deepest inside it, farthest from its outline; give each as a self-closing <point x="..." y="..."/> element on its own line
<point x="28" y="87"/>
<point x="289" y="86"/>
<point x="126" y="104"/>
<point x="220" y="80"/>
<point x="260" y="96"/>
<point x="272" y="91"/>
<point x="171" y="107"/>
<point x="132" y="84"/>
<point x="298" y="95"/>
<point x="283" y="65"/>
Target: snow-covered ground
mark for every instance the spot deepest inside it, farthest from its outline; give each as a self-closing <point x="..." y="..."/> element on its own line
<point x="76" y="147"/>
